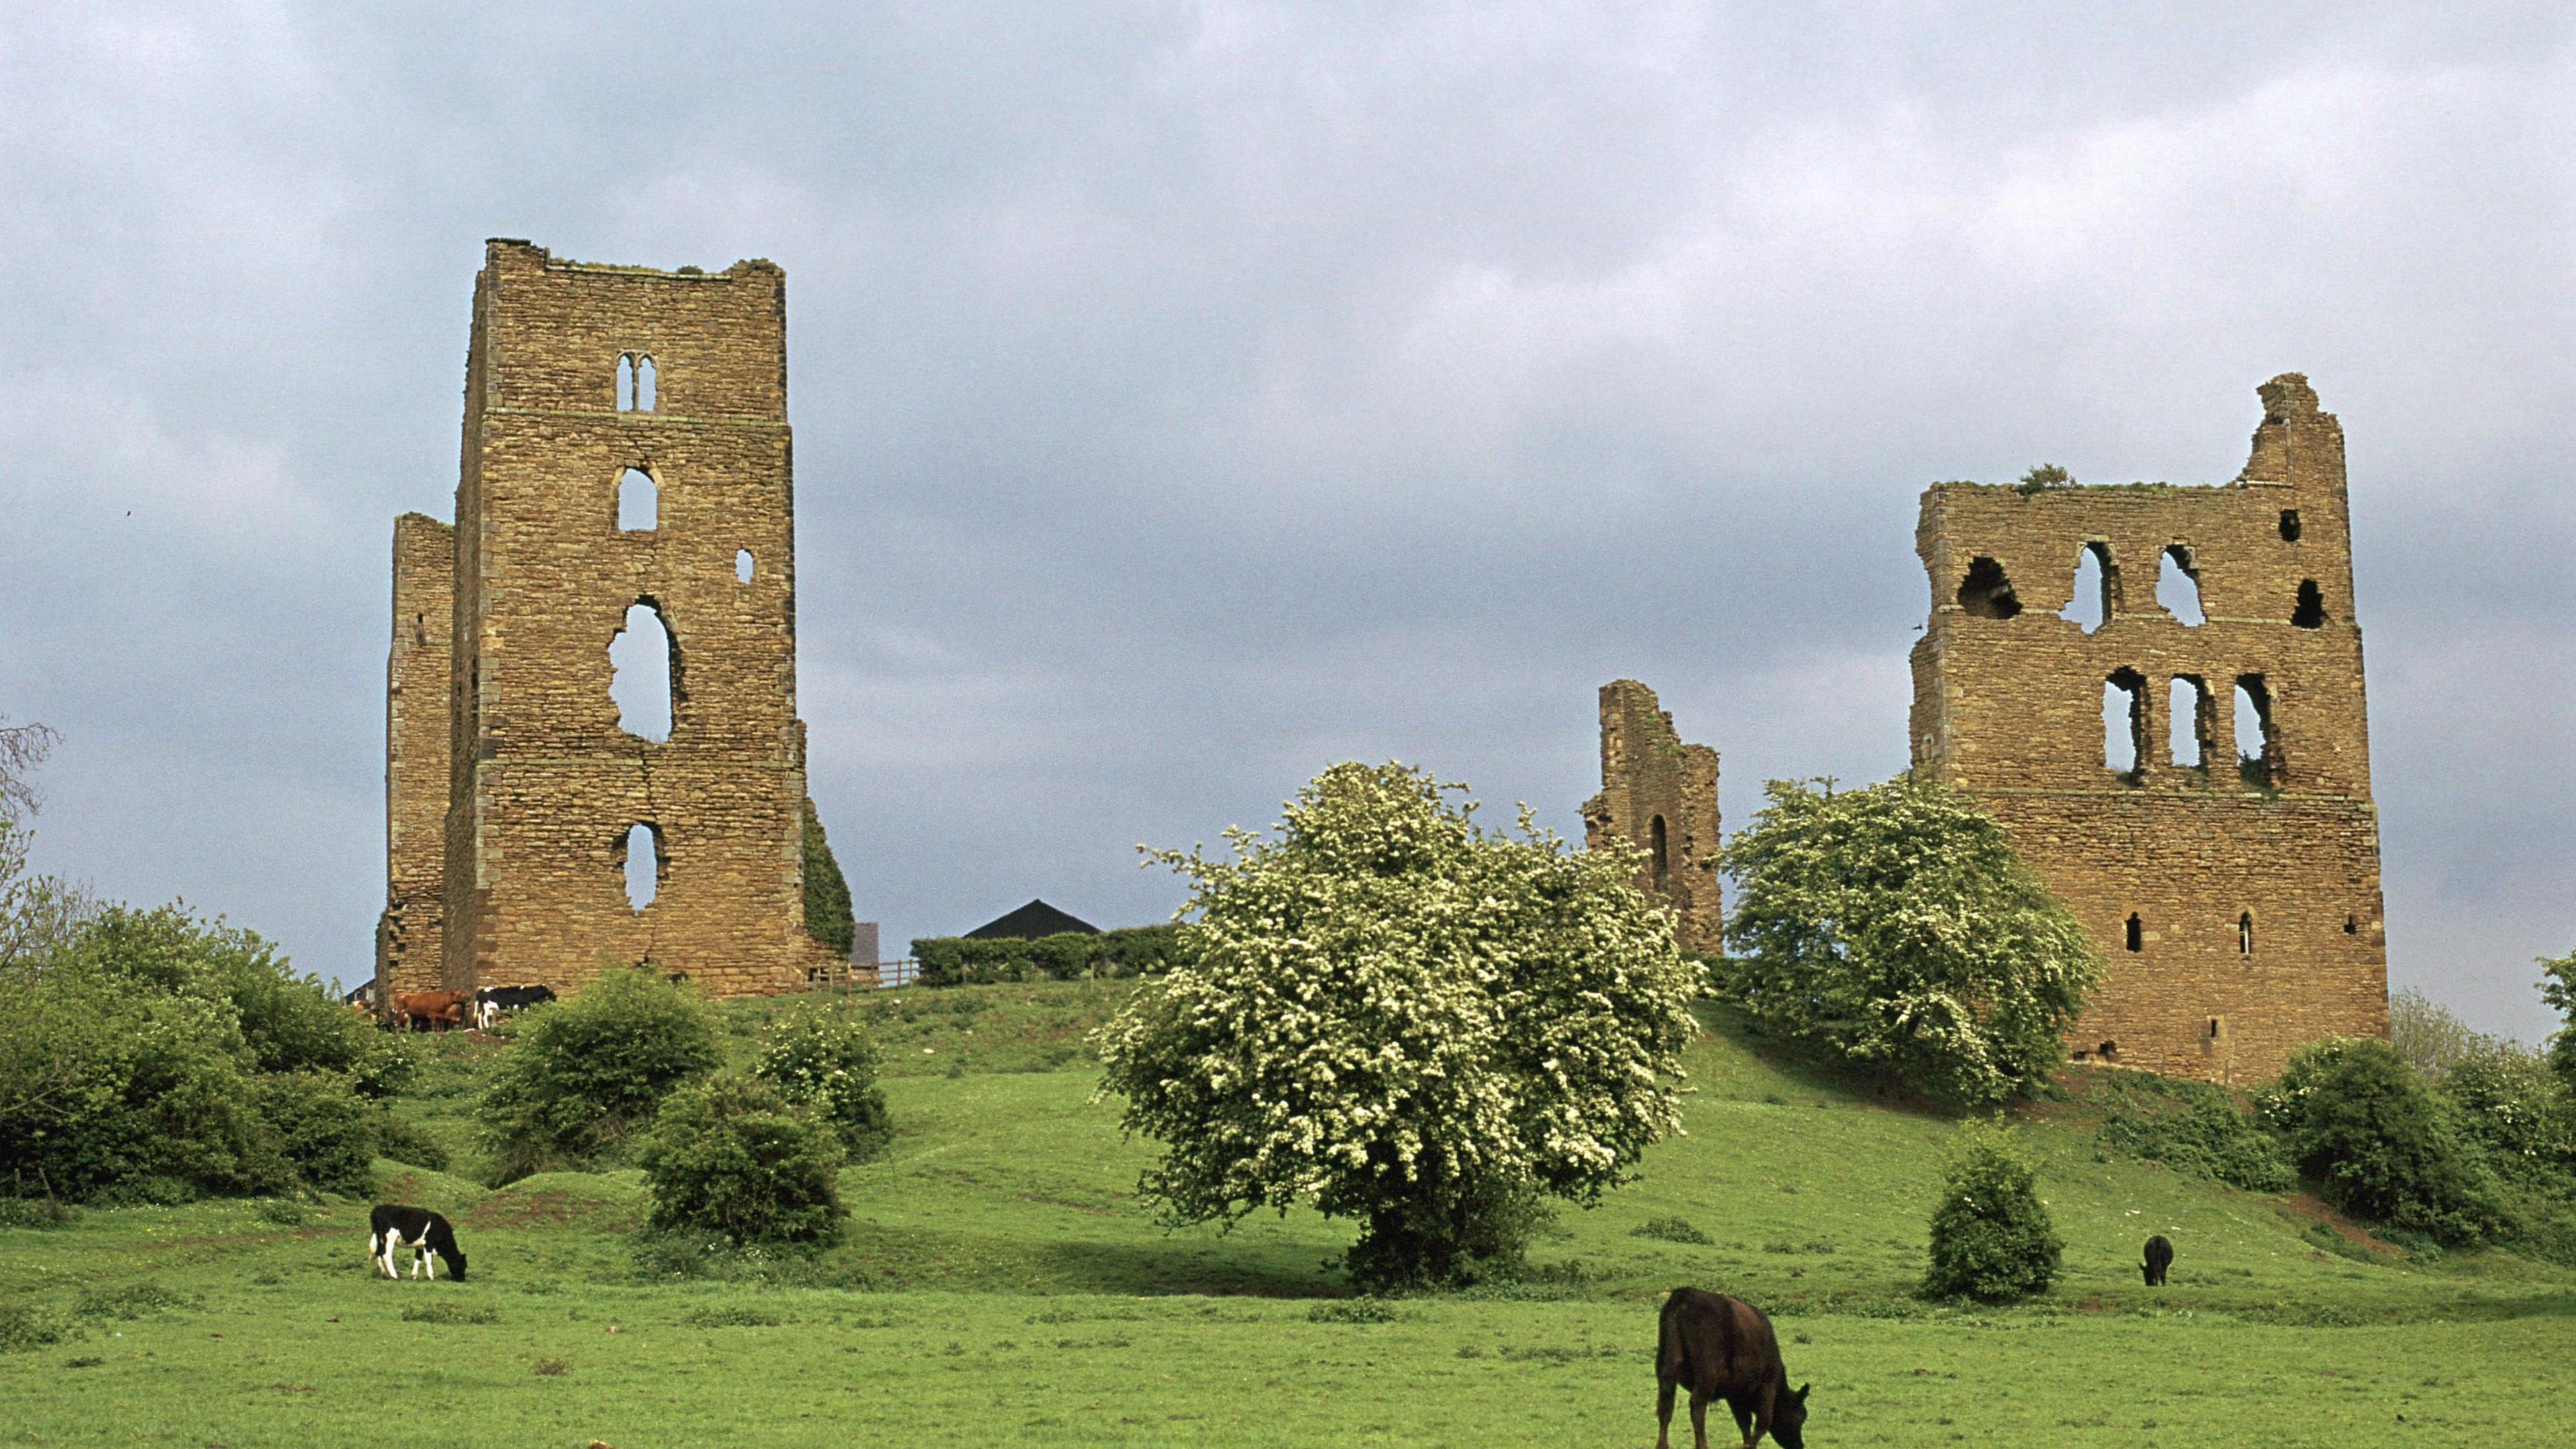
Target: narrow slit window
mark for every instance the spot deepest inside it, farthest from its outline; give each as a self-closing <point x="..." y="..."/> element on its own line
<point x="2352" y="925"/>
<point x="639" y="501"/>
<point x="644" y="389"/>
<point x="2311" y="610"/>
<point x="1985" y="593"/>
<point x="2217" y="1028"/>
<point x="742" y="566"/>
<point x="2124" y="724"/>
<point x="2289" y="525"/>
<point x="1655" y="846"/>
<point x="641" y="859"/>
<point x="2245" y="933"/>
<point x="2137" y="933"/>
<point x="2188" y="722"/>
<point x="644" y="672"/>
<point x="2178" y="585"/>
<point x="626" y="382"/>
<point x="2096" y="588"/>
<point x="2258" y="751"/>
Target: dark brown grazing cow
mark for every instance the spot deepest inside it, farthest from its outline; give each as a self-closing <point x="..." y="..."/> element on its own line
<point x="1723" y="1348"/>
<point x="430" y="1010"/>
<point x="2159" y="1258"/>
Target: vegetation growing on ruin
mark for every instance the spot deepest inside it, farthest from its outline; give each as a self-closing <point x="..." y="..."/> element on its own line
<point x="1068" y="956"/>
<point x="827" y="894"/>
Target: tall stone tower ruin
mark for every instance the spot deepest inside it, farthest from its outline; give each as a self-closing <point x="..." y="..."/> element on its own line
<point x="1660" y="795"/>
<point x="582" y="382"/>
<point x="2197" y="790"/>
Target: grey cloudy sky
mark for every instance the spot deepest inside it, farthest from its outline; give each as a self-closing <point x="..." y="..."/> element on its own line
<point x="1189" y="395"/>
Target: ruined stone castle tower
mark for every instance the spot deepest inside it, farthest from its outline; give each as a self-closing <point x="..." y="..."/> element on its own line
<point x="2194" y="782"/>
<point x="515" y="787"/>
<point x="1661" y="796"/>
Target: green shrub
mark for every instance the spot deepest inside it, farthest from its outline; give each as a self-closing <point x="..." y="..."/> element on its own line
<point x="821" y="1056"/>
<point x="36" y="1212"/>
<point x="288" y="1023"/>
<point x="1670" y="1230"/>
<point x="404" y="1140"/>
<point x="327" y="1135"/>
<point x="1070" y="956"/>
<point x="2195" y="1128"/>
<point x="23" y="1327"/>
<point x="1894" y="928"/>
<point x="2518" y="1110"/>
<point x="2380" y="1144"/>
<point x="731" y="1155"/>
<point x="591" y="1070"/>
<point x="2430" y="1036"/>
<point x="1991" y="1236"/>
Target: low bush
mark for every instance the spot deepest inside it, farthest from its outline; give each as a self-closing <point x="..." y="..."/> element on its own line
<point x="2517" y="1109"/>
<point x="2382" y="1145"/>
<point x="731" y="1155"/>
<point x="1071" y="956"/>
<point x="1670" y="1230"/>
<point x="822" y="1056"/>
<point x="592" y="1070"/>
<point x="328" y="1136"/>
<point x="1991" y="1236"/>
<point x="404" y="1140"/>
<point x="2195" y="1128"/>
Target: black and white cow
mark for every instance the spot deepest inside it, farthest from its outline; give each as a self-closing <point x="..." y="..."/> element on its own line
<point x="491" y="1001"/>
<point x="424" y="1232"/>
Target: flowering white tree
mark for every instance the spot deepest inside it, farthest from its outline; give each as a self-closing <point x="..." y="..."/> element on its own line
<point x="1895" y="927"/>
<point x="1399" y="1016"/>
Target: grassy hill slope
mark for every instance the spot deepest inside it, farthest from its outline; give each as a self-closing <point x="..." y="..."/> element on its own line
<point x="1000" y="1280"/>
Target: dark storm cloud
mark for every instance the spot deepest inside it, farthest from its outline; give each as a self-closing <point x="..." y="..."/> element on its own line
<point x="1187" y="396"/>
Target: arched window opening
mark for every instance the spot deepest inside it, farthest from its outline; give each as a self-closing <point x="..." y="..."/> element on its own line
<point x="644" y="672"/>
<point x="2352" y="925"/>
<point x="1985" y="593"/>
<point x="1655" y="846"/>
<point x="639" y="502"/>
<point x="639" y="856"/>
<point x="644" y="390"/>
<point x="742" y="566"/>
<point x="626" y="382"/>
<point x="2258" y="750"/>
<point x="2217" y="1027"/>
<point x="2124" y="724"/>
<point x="2190" y="722"/>
<point x="2097" y="588"/>
<point x="2137" y="938"/>
<point x="2245" y="933"/>
<point x="2289" y="525"/>
<point x="2311" y="612"/>
<point x="2178" y="585"/>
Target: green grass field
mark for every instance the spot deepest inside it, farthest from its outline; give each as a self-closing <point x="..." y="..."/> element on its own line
<point x="999" y="1282"/>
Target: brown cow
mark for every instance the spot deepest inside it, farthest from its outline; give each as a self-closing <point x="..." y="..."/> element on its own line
<point x="431" y="1010"/>
<point x="1724" y="1349"/>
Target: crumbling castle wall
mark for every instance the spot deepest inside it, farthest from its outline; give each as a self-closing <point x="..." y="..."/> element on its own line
<point x="1660" y="795"/>
<point x="2237" y="904"/>
<point x="575" y="375"/>
<point x="409" y="949"/>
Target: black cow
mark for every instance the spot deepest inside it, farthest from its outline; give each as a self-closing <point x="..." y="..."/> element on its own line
<point x="1723" y="1348"/>
<point x="2159" y="1258"/>
<point x="491" y="1001"/>
<point x="424" y="1232"/>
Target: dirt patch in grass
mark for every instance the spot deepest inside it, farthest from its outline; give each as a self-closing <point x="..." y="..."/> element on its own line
<point x="2306" y="1208"/>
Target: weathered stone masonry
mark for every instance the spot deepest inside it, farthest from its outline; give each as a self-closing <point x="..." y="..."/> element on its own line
<point x="1661" y="796"/>
<point x="542" y="785"/>
<point x="416" y="741"/>
<point x="2239" y="915"/>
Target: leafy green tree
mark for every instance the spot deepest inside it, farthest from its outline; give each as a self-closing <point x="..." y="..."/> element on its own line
<point x="827" y="895"/>
<point x="2430" y="1036"/>
<point x="821" y="1056"/>
<point x="1895" y="928"/>
<point x="1991" y="1236"/>
<point x="730" y="1154"/>
<point x="327" y="1135"/>
<point x="1395" y="1015"/>
<point x="2558" y="988"/>
<point x="592" y="1069"/>
<point x="2383" y="1145"/>
<point x="289" y="1022"/>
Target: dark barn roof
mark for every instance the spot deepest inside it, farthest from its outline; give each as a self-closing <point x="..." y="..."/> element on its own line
<point x="1029" y="922"/>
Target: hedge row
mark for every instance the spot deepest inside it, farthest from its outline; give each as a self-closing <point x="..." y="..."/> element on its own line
<point x="1072" y="956"/>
